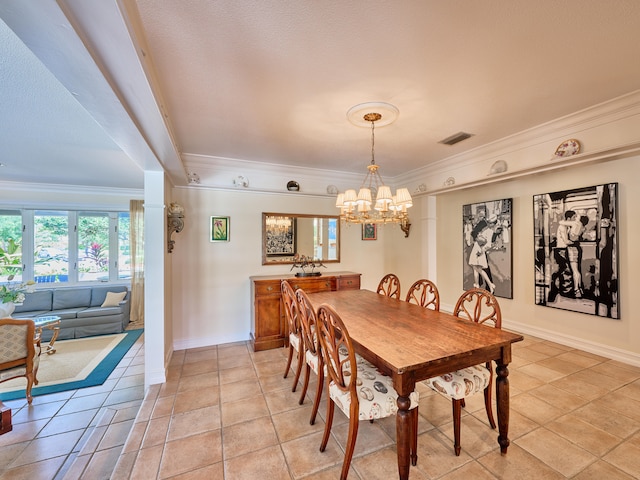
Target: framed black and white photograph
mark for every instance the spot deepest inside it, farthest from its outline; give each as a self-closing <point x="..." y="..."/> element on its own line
<point x="576" y="251"/>
<point x="487" y="253"/>
<point x="280" y="236"/>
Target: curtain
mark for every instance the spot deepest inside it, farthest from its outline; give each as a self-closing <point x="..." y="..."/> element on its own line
<point x="136" y="245"/>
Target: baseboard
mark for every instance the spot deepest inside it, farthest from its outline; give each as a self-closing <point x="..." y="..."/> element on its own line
<point x="606" y="351"/>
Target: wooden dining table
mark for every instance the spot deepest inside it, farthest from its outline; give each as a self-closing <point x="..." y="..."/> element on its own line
<point x="410" y="343"/>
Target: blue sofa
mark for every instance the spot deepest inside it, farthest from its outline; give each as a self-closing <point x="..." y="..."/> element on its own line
<point x="79" y="309"/>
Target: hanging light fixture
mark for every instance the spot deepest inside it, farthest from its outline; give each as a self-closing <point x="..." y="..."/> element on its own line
<point x="360" y="207"/>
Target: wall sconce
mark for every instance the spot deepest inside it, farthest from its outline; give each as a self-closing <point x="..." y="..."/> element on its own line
<point x="405" y="226"/>
<point x="175" y="222"/>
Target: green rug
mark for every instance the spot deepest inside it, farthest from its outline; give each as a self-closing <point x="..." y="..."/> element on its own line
<point x="78" y="363"/>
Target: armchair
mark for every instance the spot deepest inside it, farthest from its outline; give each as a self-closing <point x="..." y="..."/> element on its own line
<point x="19" y="352"/>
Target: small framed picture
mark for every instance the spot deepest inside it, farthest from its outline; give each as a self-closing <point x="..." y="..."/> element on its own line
<point x="369" y="231"/>
<point x="219" y="229"/>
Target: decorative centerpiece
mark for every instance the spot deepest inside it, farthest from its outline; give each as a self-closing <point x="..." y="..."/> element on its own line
<point x="12" y="294"/>
<point x="307" y="264"/>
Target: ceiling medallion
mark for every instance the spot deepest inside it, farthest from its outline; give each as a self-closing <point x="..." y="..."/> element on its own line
<point x="388" y="208"/>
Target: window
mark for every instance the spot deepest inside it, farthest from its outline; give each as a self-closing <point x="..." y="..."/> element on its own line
<point x="10" y="246"/>
<point x="51" y="252"/>
<point x="51" y="246"/>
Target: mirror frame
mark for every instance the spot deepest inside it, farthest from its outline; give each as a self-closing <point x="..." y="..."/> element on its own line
<point x="286" y="258"/>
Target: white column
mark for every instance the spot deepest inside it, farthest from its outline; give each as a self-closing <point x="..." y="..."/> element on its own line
<point x="154" y="278"/>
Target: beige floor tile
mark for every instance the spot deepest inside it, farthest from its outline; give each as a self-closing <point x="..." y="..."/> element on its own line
<point x="536" y="370"/>
<point x="583" y="434"/>
<point x="191" y="453"/>
<point x="147" y="464"/>
<point x="67" y="423"/>
<point x="195" y="399"/>
<point x="471" y="470"/>
<point x="48" y="447"/>
<point x="552" y="449"/>
<point x="116" y="435"/>
<point x="627" y="406"/>
<point x="535" y="409"/>
<point x="196" y="382"/>
<point x="565" y="401"/>
<point x="280" y="401"/>
<point x="248" y="436"/>
<point x="522" y="381"/>
<point x="231" y="392"/>
<point x="548" y="348"/>
<point x="304" y="458"/>
<point x="268" y="463"/>
<point x="560" y="365"/>
<point x="210" y="472"/>
<point x="163" y="407"/>
<point x="156" y="433"/>
<point x="602" y="470"/>
<point x="518" y="464"/>
<point x="243" y="410"/>
<point x="476" y="437"/>
<point x="234" y="361"/>
<point x="45" y="469"/>
<point x="205" y="355"/>
<point x="626" y="457"/>
<point x="382" y="465"/>
<point x="234" y="374"/>
<point x="101" y="464"/>
<point x="194" y="422"/>
<point x="609" y="420"/>
<point x="370" y="437"/>
<point x="435" y="455"/>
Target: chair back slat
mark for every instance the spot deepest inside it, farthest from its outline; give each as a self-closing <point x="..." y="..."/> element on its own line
<point x="424" y="293"/>
<point x="480" y="306"/>
<point x="389" y="286"/>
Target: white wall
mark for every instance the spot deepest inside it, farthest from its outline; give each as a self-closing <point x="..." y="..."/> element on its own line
<point x="615" y="338"/>
<point x="211" y="287"/>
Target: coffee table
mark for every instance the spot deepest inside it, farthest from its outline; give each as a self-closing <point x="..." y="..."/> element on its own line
<point x="50" y="322"/>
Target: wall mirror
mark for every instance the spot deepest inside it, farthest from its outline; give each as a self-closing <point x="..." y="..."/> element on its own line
<point x="285" y="234"/>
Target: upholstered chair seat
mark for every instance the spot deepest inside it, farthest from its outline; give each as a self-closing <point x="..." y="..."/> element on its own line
<point x="19" y="352"/>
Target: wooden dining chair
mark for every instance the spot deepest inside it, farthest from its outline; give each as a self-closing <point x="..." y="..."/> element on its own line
<point x="479" y="306"/>
<point x="313" y="358"/>
<point x="424" y="293"/>
<point x="19" y="352"/>
<point x="295" y="333"/>
<point x="356" y="386"/>
<point x="389" y="286"/>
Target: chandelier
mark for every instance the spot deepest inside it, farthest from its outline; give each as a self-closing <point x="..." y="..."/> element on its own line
<point x="278" y="224"/>
<point x="360" y="207"/>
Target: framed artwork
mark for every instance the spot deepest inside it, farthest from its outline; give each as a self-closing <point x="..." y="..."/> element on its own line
<point x="219" y="229"/>
<point x="576" y="250"/>
<point x="487" y="250"/>
<point x="279" y="236"/>
<point x="369" y="231"/>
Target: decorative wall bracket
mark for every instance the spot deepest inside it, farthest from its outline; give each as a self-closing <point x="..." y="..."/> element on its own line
<point x="405" y="226"/>
<point x="175" y="223"/>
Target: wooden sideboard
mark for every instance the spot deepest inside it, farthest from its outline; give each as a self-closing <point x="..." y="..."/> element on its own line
<point x="269" y="327"/>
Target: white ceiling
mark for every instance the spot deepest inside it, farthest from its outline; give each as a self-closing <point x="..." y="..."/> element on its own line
<point x="271" y="81"/>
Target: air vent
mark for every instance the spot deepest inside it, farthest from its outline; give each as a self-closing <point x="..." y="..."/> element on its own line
<point x="456" y="138"/>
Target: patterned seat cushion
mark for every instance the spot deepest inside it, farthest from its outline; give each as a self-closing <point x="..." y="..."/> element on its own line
<point x="294" y="340"/>
<point x="377" y="397"/>
<point x="461" y="383"/>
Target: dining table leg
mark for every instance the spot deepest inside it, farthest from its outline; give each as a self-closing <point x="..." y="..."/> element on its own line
<point x="403" y="436"/>
<point x="502" y="405"/>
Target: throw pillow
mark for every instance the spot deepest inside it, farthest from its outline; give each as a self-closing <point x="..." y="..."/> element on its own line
<point x="113" y="299"/>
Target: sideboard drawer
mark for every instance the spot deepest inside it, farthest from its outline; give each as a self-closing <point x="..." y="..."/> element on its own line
<point x="348" y="282"/>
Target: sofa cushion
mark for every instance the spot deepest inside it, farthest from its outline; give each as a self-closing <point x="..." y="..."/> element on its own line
<point x="67" y="312"/>
<point x="31" y="314"/>
<point x="99" y="294"/>
<point x="38" y="300"/>
<point x="99" y="312"/>
<point x="113" y="299"/>
<point x="71" y="298"/>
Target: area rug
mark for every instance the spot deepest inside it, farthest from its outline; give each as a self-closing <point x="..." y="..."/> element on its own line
<point x="78" y="363"/>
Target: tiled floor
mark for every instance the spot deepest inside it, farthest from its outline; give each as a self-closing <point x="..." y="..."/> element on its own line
<point x="62" y="432"/>
<point x="227" y="413"/>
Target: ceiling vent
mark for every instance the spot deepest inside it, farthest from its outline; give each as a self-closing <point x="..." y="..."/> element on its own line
<point x="456" y="138"/>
